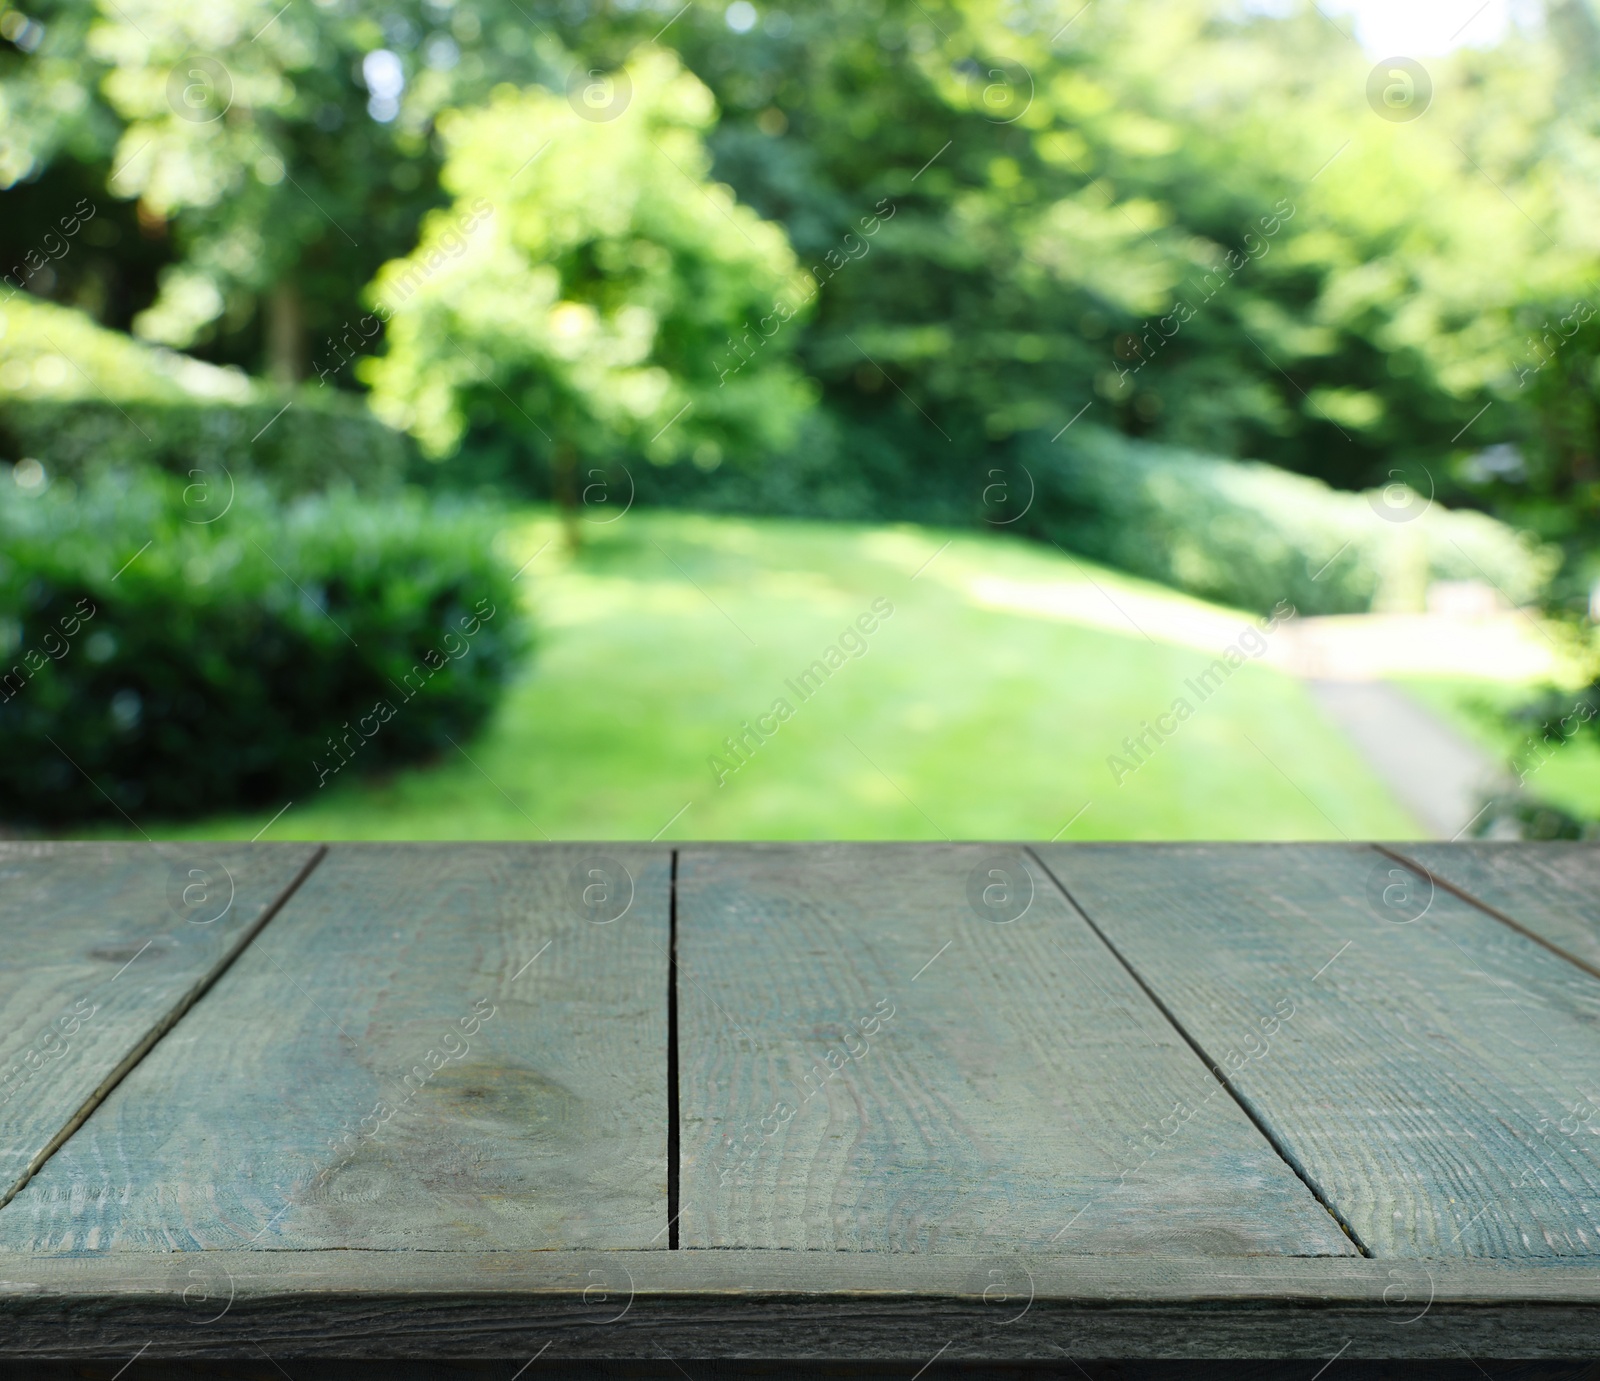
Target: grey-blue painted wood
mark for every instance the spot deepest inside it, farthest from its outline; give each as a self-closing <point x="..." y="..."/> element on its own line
<point x="1550" y="889"/>
<point x="535" y="1309"/>
<point x="425" y="1112"/>
<point x="921" y="1048"/>
<point x="432" y="1047"/>
<point x="1439" y="1082"/>
<point x="104" y="947"/>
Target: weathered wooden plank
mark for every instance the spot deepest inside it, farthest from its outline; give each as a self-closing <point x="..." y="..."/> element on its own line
<point x="433" y="1047"/>
<point x="1440" y="1077"/>
<point x="1550" y="889"/>
<point x="771" y="1304"/>
<point x="874" y="1055"/>
<point x="105" y="946"/>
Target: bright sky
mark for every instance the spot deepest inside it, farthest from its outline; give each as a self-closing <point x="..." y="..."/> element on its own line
<point x="1417" y="28"/>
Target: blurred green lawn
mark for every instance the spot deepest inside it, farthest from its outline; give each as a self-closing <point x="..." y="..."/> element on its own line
<point x="669" y="629"/>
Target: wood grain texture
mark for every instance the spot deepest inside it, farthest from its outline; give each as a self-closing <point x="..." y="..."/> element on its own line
<point x="868" y="1062"/>
<point x="431" y="1047"/>
<point x="1439" y="1082"/>
<point x="1550" y="889"/>
<point x="104" y="944"/>
<point x="699" y="1304"/>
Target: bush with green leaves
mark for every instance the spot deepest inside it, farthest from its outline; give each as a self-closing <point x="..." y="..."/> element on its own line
<point x="159" y="664"/>
<point x="1241" y="532"/>
<point x="1517" y="815"/>
<point x="609" y="298"/>
<point x="75" y="396"/>
<point x="1251" y="534"/>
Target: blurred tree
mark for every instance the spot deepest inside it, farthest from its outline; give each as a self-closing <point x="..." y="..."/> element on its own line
<point x="590" y="289"/>
<point x="276" y="155"/>
<point x="1356" y="289"/>
<point x="1063" y="183"/>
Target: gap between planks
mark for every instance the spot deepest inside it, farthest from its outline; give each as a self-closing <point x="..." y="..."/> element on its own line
<point x="1435" y="880"/>
<point x="674" y="1187"/>
<point x="1213" y="1066"/>
<point x="160" y="1028"/>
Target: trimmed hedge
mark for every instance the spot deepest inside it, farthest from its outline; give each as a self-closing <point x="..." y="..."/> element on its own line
<point x="158" y="664"/>
<point x="74" y="396"/>
<point x="1243" y="532"/>
<point x="1250" y="534"/>
<point x="319" y="442"/>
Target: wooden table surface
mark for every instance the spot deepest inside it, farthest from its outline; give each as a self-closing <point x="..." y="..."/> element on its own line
<point x="921" y="1101"/>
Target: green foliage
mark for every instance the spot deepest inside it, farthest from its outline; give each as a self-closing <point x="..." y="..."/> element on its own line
<point x="321" y="440"/>
<point x="1244" y="533"/>
<point x="1356" y="294"/>
<point x="158" y="664"/>
<point x="1512" y="815"/>
<point x="271" y="171"/>
<point x="1054" y="199"/>
<point x="1251" y="534"/>
<point x="54" y="352"/>
<point x="76" y="396"/>
<point x="1350" y="289"/>
<point x="45" y="103"/>
<point x="1054" y="191"/>
<point x="1547" y="479"/>
<point x="588" y="307"/>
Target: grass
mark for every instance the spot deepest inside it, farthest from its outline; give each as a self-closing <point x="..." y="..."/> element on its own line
<point x="669" y="631"/>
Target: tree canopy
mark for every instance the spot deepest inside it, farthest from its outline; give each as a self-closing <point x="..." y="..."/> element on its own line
<point x="589" y="287"/>
<point x="1189" y="220"/>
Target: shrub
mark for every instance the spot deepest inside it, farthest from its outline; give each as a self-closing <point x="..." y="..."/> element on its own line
<point x="1242" y="532"/>
<point x="156" y="663"/>
<point x="74" y="395"/>
<point x="1516" y="815"/>
<point x="1251" y="534"/>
